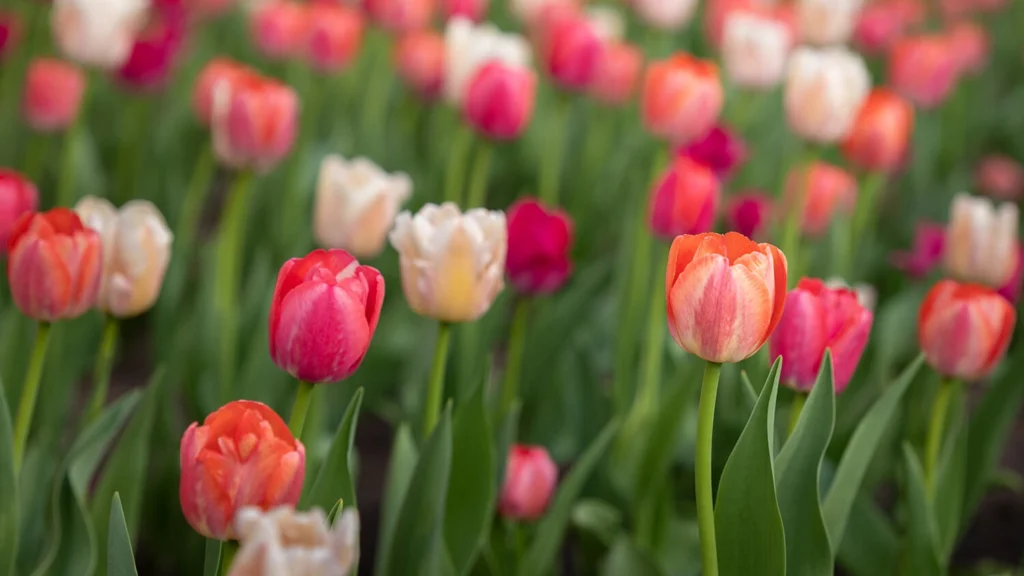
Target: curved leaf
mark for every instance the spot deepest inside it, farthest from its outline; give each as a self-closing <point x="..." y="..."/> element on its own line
<point x="626" y="558"/>
<point x="396" y="484"/>
<point x="9" y="495"/>
<point x="334" y="481"/>
<point x="951" y="476"/>
<point x="120" y="559"/>
<point x="211" y="559"/>
<point x="922" y="554"/>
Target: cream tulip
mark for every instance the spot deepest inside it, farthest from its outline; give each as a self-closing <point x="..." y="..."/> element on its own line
<point x="356" y="204"/>
<point x="136" y="251"/>
<point x="467" y="47"/>
<point x="827" y="22"/>
<point x="283" y="541"/>
<point x="755" y="49"/>
<point x="665" y="14"/>
<point x="98" y="33"/>
<point x="824" y="91"/>
<point x="452" y="264"/>
<point x="607" y="22"/>
<point x="981" y="240"/>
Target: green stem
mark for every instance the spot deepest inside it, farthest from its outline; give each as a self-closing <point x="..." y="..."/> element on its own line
<point x="228" y="549"/>
<point x="457" y="155"/>
<point x="863" y="215"/>
<point x="551" y="162"/>
<point x="35" y="155"/>
<point x="101" y="371"/>
<point x="296" y="207"/>
<point x="435" y="388"/>
<point x="479" y="176"/>
<point x="795" y="410"/>
<point x="131" y="141"/>
<point x="229" y="270"/>
<point x="195" y="199"/>
<point x="378" y="93"/>
<point x="654" y="356"/>
<point x="936" y="431"/>
<point x="302" y="398"/>
<point x="790" y="241"/>
<point x="66" y="194"/>
<point x="514" y="360"/>
<point x="30" y="392"/>
<point x="705" y="491"/>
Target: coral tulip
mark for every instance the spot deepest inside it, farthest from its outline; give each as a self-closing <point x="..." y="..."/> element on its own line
<point x="1000" y="177"/>
<point x="720" y="149"/>
<point x="468" y="48"/>
<point x="824" y="92"/>
<point x="419" y="57"/>
<point x="53" y="94"/>
<point x="530" y="480"/>
<point x="881" y="133"/>
<point x="749" y="213"/>
<point x="570" y="50"/>
<point x="827" y="22"/>
<point x="18" y="196"/>
<point x="924" y="69"/>
<point x="334" y="35"/>
<point x="725" y="294"/>
<point x="499" y="100"/>
<point x="242" y="455"/>
<point x="970" y="45"/>
<point x="254" y="122"/>
<point x="279" y="28"/>
<point x="284" y="541"/>
<point x="684" y="200"/>
<point x="474" y="10"/>
<point x="826" y="191"/>
<point x="617" y="73"/>
<point x="400" y="15"/>
<point x="755" y="49"/>
<point x="10" y="32"/>
<point x="539" y="246"/>
<point x="682" y="98"/>
<point x="664" y="14"/>
<point x="216" y="71"/>
<point x="981" y="240"/>
<point x="98" y="33"/>
<point x="927" y="252"/>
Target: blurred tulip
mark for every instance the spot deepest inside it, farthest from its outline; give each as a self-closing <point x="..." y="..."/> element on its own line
<point x="334" y="35"/>
<point x="817" y="318"/>
<point x="964" y="329"/>
<point x="53" y="265"/>
<point x="1000" y="177"/>
<point x="279" y="28"/>
<point x="215" y="72"/>
<point x="826" y="191"/>
<point x="53" y="94"/>
<point x="1011" y="290"/>
<point x="749" y="213"/>
<point x="682" y="98"/>
<point x="243" y="455"/>
<point x="725" y="294"/>
<point x="419" y="57"/>
<point x="970" y="46"/>
<point x="400" y="15"/>
<point x="155" y="50"/>
<point x="98" y="33"/>
<point x="530" y="11"/>
<point x="617" y="73"/>
<point x="881" y="133"/>
<point x="607" y="22"/>
<point x="664" y="14"/>
<point x="467" y="48"/>
<point x="755" y="49"/>
<point x="10" y="32"/>
<point x="927" y="252"/>
<point x="879" y="26"/>
<point x="284" y="541"/>
<point x="866" y="294"/>
<point x="720" y="149"/>
<point x="824" y="91"/>
<point x="827" y="22"/>
<point x="452" y="263"/>
<point x="923" y="69"/>
<point x="323" y="315"/>
<point x="356" y="205"/>
<point x="254" y="122"/>
<point x="530" y="480"/>
<point x="981" y="240"/>
<point x="570" y="50"/>
<point x="684" y="200"/>
<point x="539" y="246"/>
<point x="136" y="251"/>
<point x="500" y="99"/>
<point x="18" y="196"/>
<point x="474" y="10"/>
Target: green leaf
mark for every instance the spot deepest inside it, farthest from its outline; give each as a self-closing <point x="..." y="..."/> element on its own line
<point x="808" y="552"/>
<point x="748" y="523"/>
<point x="400" y="471"/>
<point x="550" y="531"/>
<point x="921" y="556"/>
<point x="472" y="486"/>
<point x="599" y="518"/>
<point x="951" y="476"/>
<point x="9" y="495"/>
<point x="661" y="441"/>
<point x="334" y="480"/>
<point x="506" y="436"/>
<point x="418" y="543"/>
<point x="120" y="559"/>
<point x="625" y="558"/>
<point x="211" y="559"/>
<point x="859" y="452"/>
<point x="871" y="546"/>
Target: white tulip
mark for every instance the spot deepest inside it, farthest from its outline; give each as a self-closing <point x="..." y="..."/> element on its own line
<point x="981" y="240"/>
<point x="467" y="47"/>
<point x="826" y="22"/>
<point x="98" y="33"/>
<point x="283" y="541"/>
<point x="608" y="23"/>
<point x="755" y="49"/>
<point x="824" y="91"/>
<point x="665" y="14"/>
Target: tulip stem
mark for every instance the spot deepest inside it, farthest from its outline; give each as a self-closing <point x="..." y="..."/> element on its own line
<point x="478" y="178"/>
<point x="101" y="371"/>
<point x="30" y="392"/>
<point x="378" y="92"/>
<point x="795" y="410"/>
<point x="228" y="549"/>
<point x="705" y="492"/>
<point x="514" y="360"/>
<point x="460" y="149"/>
<point x="132" y="126"/>
<point x="551" y="162"/>
<point x="229" y="268"/>
<point x="35" y="155"/>
<point x="435" y="388"/>
<point x="936" y="431"/>
<point x="862" y="216"/>
<point x="301" y="407"/>
<point x="647" y="395"/>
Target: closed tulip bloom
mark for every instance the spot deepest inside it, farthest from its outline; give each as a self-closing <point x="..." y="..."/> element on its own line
<point x="474" y="10"/>
<point x="18" y="196"/>
<point x="824" y="92"/>
<point x="881" y="133"/>
<point x="254" y="122"/>
<point x="721" y="150"/>
<point x="419" y="56"/>
<point x="684" y="200"/>
<point x="665" y="14"/>
<point x="356" y="205"/>
<point x="468" y="48"/>
<point x="617" y="73"/>
<point x="1000" y="177"/>
<point x="927" y="252"/>
<point x="923" y="69"/>
<point x="284" y="541"/>
<point x="279" y="28"/>
<point x="54" y="265"/>
<point x="879" y="26"/>
<point x="981" y="240"/>
<point x="725" y="294"/>
<point x="98" y="33"/>
<point x="10" y="32"/>
<point x="53" y="94"/>
<point x="827" y="22"/>
<point x="217" y="71"/>
<point x="964" y="329"/>
<point x="334" y="35"/>
<point x="970" y="46"/>
<point x="530" y="480"/>
<point x="749" y="213"/>
<point x="242" y="455"/>
<point x="682" y="98"/>
<point x="499" y="101"/>
<point x="817" y="318"/>
<point x="866" y="294"/>
<point x="827" y="191"/>
<point x="400" y="15"/>
<point x="539" y="246"/>
<point x="570" y="49"/>
<point x="755" y="49"/>
<point x="155" y="50"/>
<point x="452" y="263"/>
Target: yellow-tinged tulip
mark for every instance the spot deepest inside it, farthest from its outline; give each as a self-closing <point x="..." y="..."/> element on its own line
<point x="981" y="240"/>
<point x="452" y="263"/>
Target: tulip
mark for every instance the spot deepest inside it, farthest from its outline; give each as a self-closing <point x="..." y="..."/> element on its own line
<point x="970" y="46"/>
<point x="539" y="245"/>
<point x="155" y="50"/>
<point x="98" y="33"/>
<point x="981" y="240"/>
<point x="1011" y="290"/>
<point x="824" y="92"/>
<point x="826" y="22"/>
<point x="53" y="94"/>
<point x="253" y="122"/>
<point x="499" y="101"/>
<point x="400" y="15"/>
<point x="18" y="196"/>
<point x="284" y="541"/>
<point x="323" y="315"/>
<point x="720" y="149"/>
<point x="878" y="27"/>
<point x="923" y="69"/>
<point x="570" y="49"/>
<point x="684" y="200"/>
<point x="531" y="11"/>
<point x="755" y="49"/>
<point x="1000" y="177"/>
<point x="665" y="14"/>
<point x="616" y="74"/>
<point x="419" y="57"/>
<point x="356" y="205"/>
<point x="826" y="191"/>
<point x="10" y="32"/>
<point x="881" y="133"/>
<point x="452" y="264"/>
<point x="749" y="213"/>
<point x="817" y="318"/>
<point x="866" y="294"/>
<point x="530" y="480"/>
<point x="334" y="35"/>
<point x="243" y="455"/>
<point x="279" y="28"/>
<point x="682" y="98"/>
<point x="474" y="10"/>
<point x="607" y="23"/>
<point x="217" y="71"/>
<point x="468" y="47"/>
<point x="927" y="252"/>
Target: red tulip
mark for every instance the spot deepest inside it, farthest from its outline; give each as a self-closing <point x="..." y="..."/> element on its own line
<point x="1000" y="177"/>
<point x="254" y="122"/>
<point x="242" y="455"/>
<point x="685" y="200"/>
<point x="617" y="73"/>
<point x="539" y="246"/>
<point x="217" y="71"/>
<point x="878" y="27"/>
<point x="923" y="69"/>
<point x="17" y="196"/>
<point x="720" y="149"/>
<point x="155" y="50"/>
<point x="400" y="15"/>
<point x="881" y="132"/>
<point x="825" y="192"/>
<point x="10" y="32"/>
<point x="474" y="10"/>
<point x="334" y="35"/>
<point x="964" y="329"/>
<point x="530" y="480"/>
<point x="499" y="101"/>
<point x="419" y="56"/>
<point x="927" y="253"/>
<point x="279" y="28"/>
<point x="54" y="265"/>
<point x="570" y="50"/>
<point x="53" y="94"/>
<point x="749" y="213"/>
<point x="682" y="98"/>
<point x="323" y="315"/>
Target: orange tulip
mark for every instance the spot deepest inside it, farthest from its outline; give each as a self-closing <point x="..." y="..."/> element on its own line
<point x="725" y="294"/>
<point x="682" y="98"/>
<point x="879" y="137"/>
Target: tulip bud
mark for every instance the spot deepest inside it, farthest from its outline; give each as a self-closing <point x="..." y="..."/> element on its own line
<point x="749" y="213"/>
<point x="826" y="22"/>
<point x="18" y="196"/>
<point x="725" y="294"/>
<point x="539" y="246"/>
<point x="530" y="480"/>
<point x="755" y="49"/>
<point x="720" y="149"/>
<point x="335" y="32"/>
<point x="970" y="46"/>
<point x="682" y="98"/>
<point x="356" y="205"/>
<point x="98" y="33"/>
<point x="570" y="50"/>
<point x="878" y="27"/>
<point x="284" y="541"/>
<point x="242" y="455"/>
<point x="981" y="240"/>
<point x="155" y="50"/>
<point x="452" y="263"/>
<point x="53" y="265"/>
<point x="499" y="100"/>
<point x="419" y="57"/>
<point x="1000" y="177"/>
<point x="964" y="329"/>
<point x="400" y="15"/>
<point x="616" y="74"/>
<point x="684" y="200"/>
<point x="217" y="71"/>
<point x="279" y="28"/>
<point x="826" y="191"/>
<point x="923" y="69"/>
<point x="824" y="91"/>
<point x="881" y="133"/>
<point x="927" y="252"/>
<point x="817" y="318"/>
<point x="323" y="315"/>
<point x="53" y="94"/>
<point x="468" y="47"/>
<point x="10" y="32"/>
<point x="474" y="10"/>
<point x="254" y="122"/>
<point x="665" y="14"/>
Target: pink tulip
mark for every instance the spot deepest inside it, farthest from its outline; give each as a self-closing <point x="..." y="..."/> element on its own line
<point x="685" y="200"/>
<point x="254" y="122"/>
<point x="530" y="480"/>
<point x="400" y="15"/>
<point x="18" y="195"/>
<point x="1011" y="290"/>
<point x="749" y="213"/>
<point x="419" y="57"/>
<point x="927" y="253"/>
<point x="720" y="149"/>
<point x="53" y="94"/>
<point x="10" y="32"/>
<point x="1000" y="177"/>
<point x="155" y="50"/>
<point x="970" y="46"/>
<point x="539" y="246"/>
<point x="826" y="191"/>
<point x="474" y="10"/>
<point x="334" y="35"/>
<point x="878" y="27"/>
<point x="682" y="98"/>
<point x="570" y="50"/>
<point x="923" y="69"/>
<point x="218" y="70"/>
<point x="617" y="73"/>
<point x="499" y="101"/>
<point x="279" y="28"/>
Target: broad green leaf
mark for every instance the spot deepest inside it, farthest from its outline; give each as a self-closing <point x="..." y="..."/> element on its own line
<point x="417" y="546"/>
<point x="871" y="546"/>
<point x="334" y="480"/>
<point x="625" y="558"/>
<point x="798" y="466"/>
<point x="547" y="540"/>
<point x="951" y="476"/>
<point x="9" y="495"/>
<point x="859" y="452"/>
<point x="120" y="559"/>
<point x="505" y="437"/>
<point x="211" y="560"/>
<point x="921" y="556"/>
<point x="748" y="524"/>
<point x="472" y="486"/>
<point x="399" y="476"/>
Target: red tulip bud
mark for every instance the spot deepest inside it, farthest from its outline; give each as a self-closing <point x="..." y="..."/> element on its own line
<point x="499" y="101"/>
<point x="539" y="242"/>
<point x="530" y="480"/>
